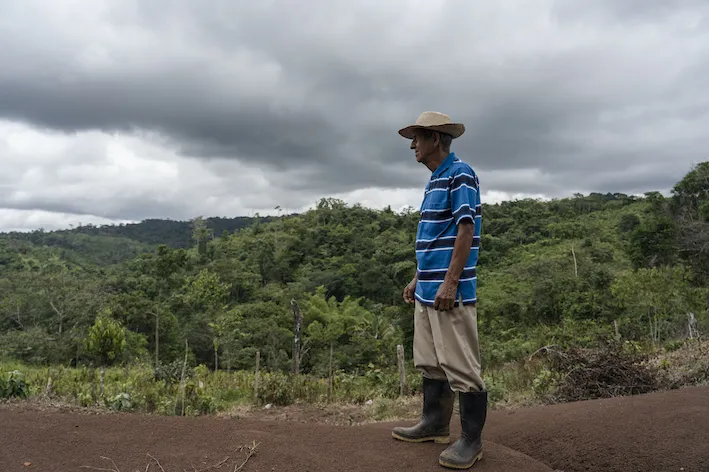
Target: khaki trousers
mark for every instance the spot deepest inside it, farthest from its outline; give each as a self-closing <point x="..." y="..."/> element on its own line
<point x="446" y="346"/>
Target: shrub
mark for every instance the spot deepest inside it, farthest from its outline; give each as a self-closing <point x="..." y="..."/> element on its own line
<point x="12" y="385"/>
<point x="171" y="373"/>
<point x="121" y="402"/>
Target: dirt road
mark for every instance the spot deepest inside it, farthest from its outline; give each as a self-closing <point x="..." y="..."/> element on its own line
<point x="665" y="431"/>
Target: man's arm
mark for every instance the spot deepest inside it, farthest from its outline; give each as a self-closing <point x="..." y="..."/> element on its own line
<point x="445" y="298"/>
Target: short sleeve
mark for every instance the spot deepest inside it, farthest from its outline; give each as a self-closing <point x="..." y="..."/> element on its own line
<point x="464" y="195"/>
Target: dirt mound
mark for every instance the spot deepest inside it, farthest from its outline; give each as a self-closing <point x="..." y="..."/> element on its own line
<point x="65" y="442"/>
<point x="662" y="431"/>
<point x="656" y="432"/>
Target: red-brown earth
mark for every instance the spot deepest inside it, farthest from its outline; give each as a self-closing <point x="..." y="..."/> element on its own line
<point x="664" y="431"/>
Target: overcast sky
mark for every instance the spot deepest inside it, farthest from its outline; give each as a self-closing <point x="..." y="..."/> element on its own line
<point x="120" y="110"/>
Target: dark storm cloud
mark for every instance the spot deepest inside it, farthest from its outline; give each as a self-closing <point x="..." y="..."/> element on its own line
<point x="588" y="94"/>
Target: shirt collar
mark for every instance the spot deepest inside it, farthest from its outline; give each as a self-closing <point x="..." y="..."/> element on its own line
<point x="444" y="165"/>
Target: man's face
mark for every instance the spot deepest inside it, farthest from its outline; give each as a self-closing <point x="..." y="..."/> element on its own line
<point x="424" y="145"/>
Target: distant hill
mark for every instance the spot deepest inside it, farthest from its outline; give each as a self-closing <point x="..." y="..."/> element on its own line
<point x="177" y="234"/>
<point x="112" y="244"/>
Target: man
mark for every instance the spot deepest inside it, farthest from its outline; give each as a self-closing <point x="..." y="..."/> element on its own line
<point x="446" y="348"/>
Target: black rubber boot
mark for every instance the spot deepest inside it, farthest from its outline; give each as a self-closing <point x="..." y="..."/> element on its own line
<point x="467" y="450"/>
<point x="438" y="399"/>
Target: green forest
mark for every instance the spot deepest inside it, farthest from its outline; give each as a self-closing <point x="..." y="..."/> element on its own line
<point x="209" y="294"/>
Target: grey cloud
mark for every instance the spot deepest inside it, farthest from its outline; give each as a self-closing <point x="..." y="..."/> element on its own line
<point x="315" y="92"/>
<point x="631" y="11"/>
<point x="129" y="207"/>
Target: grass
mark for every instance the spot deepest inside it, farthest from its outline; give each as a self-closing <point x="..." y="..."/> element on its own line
<point x="372" y="395"/>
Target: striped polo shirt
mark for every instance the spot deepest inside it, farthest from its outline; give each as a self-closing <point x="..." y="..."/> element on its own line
<point x="451" y="196"/>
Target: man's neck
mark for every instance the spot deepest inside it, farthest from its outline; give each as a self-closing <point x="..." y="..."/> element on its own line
<point x="436" y="161"/>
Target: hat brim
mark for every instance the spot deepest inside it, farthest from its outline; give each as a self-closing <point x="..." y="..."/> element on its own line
<point x="455" y="130"/>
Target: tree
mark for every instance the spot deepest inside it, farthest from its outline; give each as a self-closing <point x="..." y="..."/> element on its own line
<point x="652" y="243"/>
<point x="690" y="207"/>
<point x="691" y="194"/>
<point x="205" y="297"/>
<point x="105" y="342"/>
<point x="201" y="235"/>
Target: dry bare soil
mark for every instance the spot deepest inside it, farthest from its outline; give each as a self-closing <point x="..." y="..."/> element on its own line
<point x="664" y="431"/>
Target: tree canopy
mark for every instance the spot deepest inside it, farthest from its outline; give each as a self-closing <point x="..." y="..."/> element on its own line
<point x="567" y="270"/>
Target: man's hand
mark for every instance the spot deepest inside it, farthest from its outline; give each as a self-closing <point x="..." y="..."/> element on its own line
<point x="409" y="291"/>
<point x="445" y="297"/>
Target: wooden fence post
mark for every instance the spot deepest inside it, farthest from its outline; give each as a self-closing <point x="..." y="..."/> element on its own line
<point x="297" y="325"/>
<point x="157" y="340"/>
<point x="183" y="384"/>
<point x="576" y="267"/>
<point x="692" y="327"/>
<point x="256" y="374"/>
<point x="402" y="369"/>
<point x="329" y="377"/>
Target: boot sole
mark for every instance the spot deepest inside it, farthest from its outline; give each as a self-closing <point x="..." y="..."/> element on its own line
<point x="435" y="439"/>
<point x="461" y="466"/>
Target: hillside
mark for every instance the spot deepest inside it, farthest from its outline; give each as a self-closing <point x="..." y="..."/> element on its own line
<point x="566" y="271"/>
<point x="176" y="234"/>
<point x="112" y="244"/>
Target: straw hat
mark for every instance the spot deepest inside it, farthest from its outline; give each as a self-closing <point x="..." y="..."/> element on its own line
<point x="434" y="121"/>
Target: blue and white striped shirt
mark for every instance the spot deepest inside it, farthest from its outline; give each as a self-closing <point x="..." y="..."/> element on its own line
<point x="452" y="195"/>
